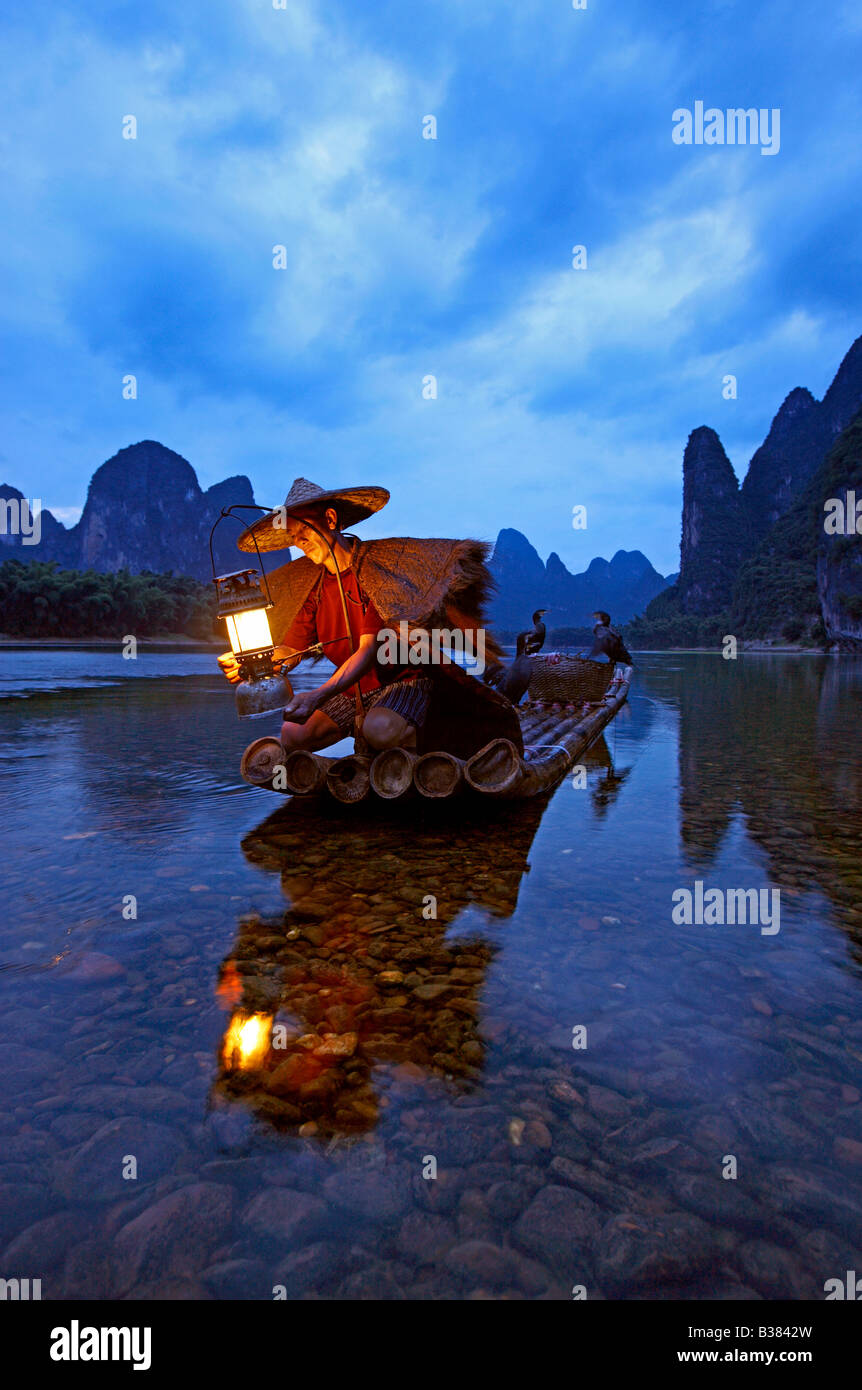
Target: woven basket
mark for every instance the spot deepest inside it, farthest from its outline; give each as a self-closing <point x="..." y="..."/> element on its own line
<point x="574" y="679"/>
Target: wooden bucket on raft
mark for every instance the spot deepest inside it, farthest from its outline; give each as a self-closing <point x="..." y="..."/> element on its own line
<point x="573" y="679"/>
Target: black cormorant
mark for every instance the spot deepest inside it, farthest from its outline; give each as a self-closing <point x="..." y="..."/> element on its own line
<point x="512" y="680"/>
<point x="535" y="639"/>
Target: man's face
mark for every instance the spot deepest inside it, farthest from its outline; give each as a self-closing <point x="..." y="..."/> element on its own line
<point x="305" y="536"/>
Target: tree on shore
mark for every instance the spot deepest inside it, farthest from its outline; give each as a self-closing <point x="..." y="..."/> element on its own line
<point x="40" y="600"/>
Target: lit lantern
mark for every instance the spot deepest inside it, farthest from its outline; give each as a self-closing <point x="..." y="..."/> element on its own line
<point x="243" y="605"/>
<point x="243" y="601"/>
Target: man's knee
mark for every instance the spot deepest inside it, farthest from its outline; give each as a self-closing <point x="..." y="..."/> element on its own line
<point x="383" y="728"/>
<point x="315" y="733"/>
<point x="294" y="736"/>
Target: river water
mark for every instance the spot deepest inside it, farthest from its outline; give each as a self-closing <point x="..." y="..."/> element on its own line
<point x="252" y="1048"/>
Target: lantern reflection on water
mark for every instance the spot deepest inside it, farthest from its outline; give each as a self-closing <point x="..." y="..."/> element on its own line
<point x="246" y="1041"/>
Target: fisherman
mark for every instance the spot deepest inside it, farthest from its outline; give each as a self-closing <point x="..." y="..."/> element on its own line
<point x="607" y="643"/>
<point x="342" y="594"/>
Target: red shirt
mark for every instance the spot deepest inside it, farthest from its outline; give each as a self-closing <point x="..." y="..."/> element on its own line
<point x="321" y="619"/>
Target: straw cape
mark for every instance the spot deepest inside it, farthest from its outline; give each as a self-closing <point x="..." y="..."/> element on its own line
<point x="429" y="583"/>
<point x="354" y="504"/>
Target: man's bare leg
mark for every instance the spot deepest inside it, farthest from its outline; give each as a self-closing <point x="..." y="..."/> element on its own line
<point x="317" y="732"/>
<point x="383" y="728"/>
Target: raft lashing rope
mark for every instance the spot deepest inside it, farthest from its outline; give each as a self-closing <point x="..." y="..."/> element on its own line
<point x="497" y="770"/>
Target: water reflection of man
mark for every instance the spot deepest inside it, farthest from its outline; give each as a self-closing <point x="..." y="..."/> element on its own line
<point x="360" y="975"/>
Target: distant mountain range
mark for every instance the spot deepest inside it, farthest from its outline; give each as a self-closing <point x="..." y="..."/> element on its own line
<point x="756" y="560"/>
<point x="145" y="510"/>
<point x="622" y="586"/>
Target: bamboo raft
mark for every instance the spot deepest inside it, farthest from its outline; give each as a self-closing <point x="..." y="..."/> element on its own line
<point x="555" y="735"/>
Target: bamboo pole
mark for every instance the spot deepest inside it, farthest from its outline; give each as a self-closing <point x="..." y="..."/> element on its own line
<point x="438" y="775"/>
<point x="391" y="773"/>
<point x="260" y="761"/>
<point x="305" y="772"/>
<point x="495" y="768"/>
<point x="534" y="729"/>
<point x="347" y="779"/>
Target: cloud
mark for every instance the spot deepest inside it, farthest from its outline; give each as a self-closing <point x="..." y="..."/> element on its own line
<point x="302" y="127"/>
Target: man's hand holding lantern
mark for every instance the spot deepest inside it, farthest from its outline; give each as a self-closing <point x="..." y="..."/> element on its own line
<point x="230" y="667"/>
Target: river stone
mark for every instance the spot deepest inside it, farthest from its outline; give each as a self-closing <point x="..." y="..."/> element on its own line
<point x="607" y="1105"/>
<point x="470" y="1143"/>
<point x="76" y="1127"/>
<point x="506" y="1201"/>
<point x="89" y="1271"/>
<point x="122" y="1101"/>
<point x="31" y="1149"/>
<point x="558" y="1227"/>
<point x="12" y="1173"/>
<point x="175" y="1236"/>
<point x="721" y="1201"/>
<point x="654" y="1152"/>
<point x="848" y="1151"/>
<point x="637" y="1252"/>
<point x="424" y="1238"/>
<point x="370" y="1193"/>
<point x="483" y="1175"/>
<point x="92" y="968"/>
<point x="674" y="1086"/>
<point x="305" y="1270"/>
<point x="568" y="1143"/>
<point x="278" y="1216"/>
<point x="438" y="1194"/>
<point x="812" y="1194"/>
<point x="772" y="1134"/>
<point x="231" y="1130"/>
<point x="848" y="1123"/>
<point x="25" y="1068"/>
<point x="240" y="1280"/>
<point x="373" y="1284"/>
<point x="121" y="1213"/>
<point x="44" y="1245"/>
<point x="480" y="1262"/>
<point x="775" y="1272"/>
<point x="95" y="1170"/>
<point x="170" y="1291"/>
<point x="584" y="1177"/>
<point x="21" y="1204"/>
<point x="532" y="1278"/>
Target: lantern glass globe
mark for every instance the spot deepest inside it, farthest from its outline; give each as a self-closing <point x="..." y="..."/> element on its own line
<point x="249" y="632"/>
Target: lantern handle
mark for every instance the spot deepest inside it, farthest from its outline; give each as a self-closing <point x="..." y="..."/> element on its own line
<point x="229" y="511"/>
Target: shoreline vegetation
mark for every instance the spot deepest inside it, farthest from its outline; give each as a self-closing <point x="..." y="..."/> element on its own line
<point x="39" y="601"/>
<point x="43" y="606"/>
<point x="176" y="641"/>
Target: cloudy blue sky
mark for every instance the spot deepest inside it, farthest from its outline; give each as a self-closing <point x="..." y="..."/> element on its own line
<point x="407" y="257"/>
